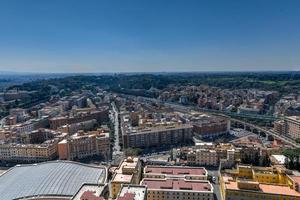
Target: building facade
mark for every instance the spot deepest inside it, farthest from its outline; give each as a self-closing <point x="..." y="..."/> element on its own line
<point x="170" y="189"/>
<point x="99" y="115"/>
<point x="211" y="127"/>
<point x="158" y="136"/>
<point x="128" y="172"/>
<point x="203" y="157"/>
<point x="290" y="127"/>
<point x="28" y="153"/>
<point x="249" y="182"/>
<point x="83" y="145"/>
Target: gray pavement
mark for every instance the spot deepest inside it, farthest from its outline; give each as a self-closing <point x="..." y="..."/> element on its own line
<point x="117" y="153"/>
<point x="216" y="185"/>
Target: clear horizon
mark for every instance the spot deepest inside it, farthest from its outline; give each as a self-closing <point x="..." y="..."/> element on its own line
<point x="149" y="36"/>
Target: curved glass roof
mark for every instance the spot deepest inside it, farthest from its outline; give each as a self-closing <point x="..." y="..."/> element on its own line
<point x="58" y="178"/>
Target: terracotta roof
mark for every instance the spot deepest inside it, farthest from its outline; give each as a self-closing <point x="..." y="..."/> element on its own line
<point x="89" y="195"/>
<point x="177" y="184"/>
<point x="267" y="188"/>
<point x="176" y="170"/>
<point x="127" y="196"/>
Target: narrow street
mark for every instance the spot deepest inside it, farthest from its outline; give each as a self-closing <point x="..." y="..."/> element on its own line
<point x="216" y="184"/>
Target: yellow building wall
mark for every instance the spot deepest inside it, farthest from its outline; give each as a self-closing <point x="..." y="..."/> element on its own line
<point x="266" y="178"/>
<point x="245" y="172"/>
<point x="283" y="179"/>
<point x="248" y="172"/>
<point x="290" y="183"/>
<point x="237" y="195"/>
<point x="270" y="178"/>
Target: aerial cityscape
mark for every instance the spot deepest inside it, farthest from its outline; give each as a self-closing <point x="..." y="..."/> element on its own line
<point x="150" y="100"/>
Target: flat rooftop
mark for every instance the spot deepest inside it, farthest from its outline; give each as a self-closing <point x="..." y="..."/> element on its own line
<point x="169" y="170"/>
<point x="155" y="128"/>
<point x="178" y="184"/>
<point x="132" y="192"/>
<point x="267" y="189"/>
<point x="54" y="178"/>
<point x="130" y="164"/>
<point x="123" y="178"/>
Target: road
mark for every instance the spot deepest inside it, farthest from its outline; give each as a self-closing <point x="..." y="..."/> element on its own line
<point x="281" y="137"/>
<point x="187" y="108"/>
<point x="117" y="153"/>
<point x="269" y="132"/>
<point x="216" y="185"/>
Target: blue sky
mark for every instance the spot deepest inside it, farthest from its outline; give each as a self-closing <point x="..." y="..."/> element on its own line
<point x="149" y="35"/>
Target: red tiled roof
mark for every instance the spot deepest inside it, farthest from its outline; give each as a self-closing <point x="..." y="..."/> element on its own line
<point x="174" y="184"/>
<point x="89" y="195"/>
<point x="127" y="196"/>
<point x="176" y="170"/>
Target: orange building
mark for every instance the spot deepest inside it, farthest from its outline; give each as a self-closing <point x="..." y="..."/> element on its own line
<point x="82" y="145"/>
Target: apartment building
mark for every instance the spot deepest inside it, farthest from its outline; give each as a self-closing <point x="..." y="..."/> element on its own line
<point x="28" y="126"/>
<point x="293" y="127"/>
<point x="280" y="127"/>
<point x="290" y="127"/>
<point x="230" y="160"/>
<point x="249" y="182"/>
<point x="226" y="154"/>
<point x="85" y="144"/>
<point x="50" y="111"/>
<point x="36" y="146"/>
<point x="29" y="153"/>
<point x="207" y="154"/>
<point x="99" y="115"/>
<point x="203" y="157"/>
<point x="73" y="128"/>
<point x="39" y="136"/>
<point x="170" y="189"/>
<point x="249" y="109"/>
<point x="252" y="190"/>
<point x="211" y="127"/>
<point x="128" y="172"/>
<point x="177" y="182"/>
<point x="157" y="136"/>
<point x="277" y="174"/>
<point x="18" y="114"/>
